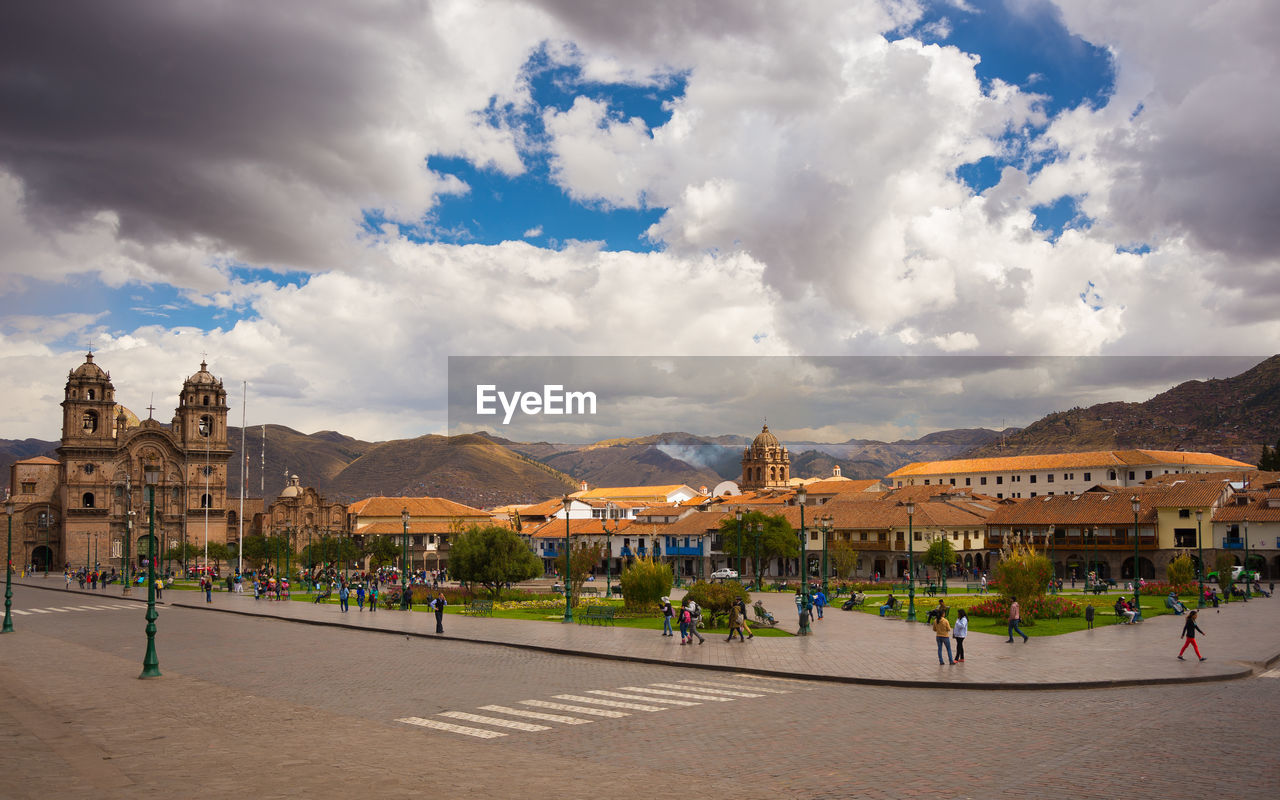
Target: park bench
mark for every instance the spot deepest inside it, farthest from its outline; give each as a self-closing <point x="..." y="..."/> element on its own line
<point x="895" y="610"/>
<point x="1168" y="603"/>
<point x="973" y="587"/>
<point x="1123" y="620"/>
<point x="324" y="595"/>
<point x="1097" y="588"/>
<point x="931" y="589"/>
<point x="478" y="608"/>
<point x="594" y="591"/>
<point x="596" y="615"/>
<point x="763" y="617"/>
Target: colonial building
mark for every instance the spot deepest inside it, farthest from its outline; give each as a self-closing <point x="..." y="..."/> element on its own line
<point x="303" y="515"/>
<point x="1059" y="473"/>
<point x="431" y="521"/>
<point x="92" y="500"/>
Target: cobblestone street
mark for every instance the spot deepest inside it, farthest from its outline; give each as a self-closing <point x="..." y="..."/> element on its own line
<point x="284" y="710"/>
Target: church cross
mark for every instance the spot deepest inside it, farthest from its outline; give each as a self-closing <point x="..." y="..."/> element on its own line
<point x="151" y="407"/>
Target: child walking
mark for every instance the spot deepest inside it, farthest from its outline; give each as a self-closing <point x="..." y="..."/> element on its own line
<point x="1189" y="630"/>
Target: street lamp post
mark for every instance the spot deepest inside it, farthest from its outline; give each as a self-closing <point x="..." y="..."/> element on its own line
<point x="404" y="556"/>
<point x="610" y="525"/>
<point x="1246" y="559"/>
<point x="737" y="514"/>
<point x="128" y="534"/>
<point x="568" y="590"/>
<point x="1089" y="533"/>
<point x="150" y="662"/>
<point x="1053" y="565"/>
<point x="802" y="495"/>
<point x="1133" y="501"/>
<point x="757" y="528"/>
<point x="8" y="569"/>
<point x="827" y="521"/>
<point x="911" y="563"/>
<point x="1200" y="561"/>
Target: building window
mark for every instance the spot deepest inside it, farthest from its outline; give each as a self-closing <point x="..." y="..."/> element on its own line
<point x="918" y="538"/>
<point x="967" y="481"/>
<point x="28" y="487"/>
<point x="1184" y="513"/>
<point x="206" y="501"/>
<point x="1130" y="474"/>
<point x="982" y="481"/>
<point x="1033" y="478"/>
<point x="999" y="480"/>
<point x="1088" y="476"/>
<point x="89" y="422"/>
<point x="1048" y="478"/>
<point x="1148" y="474"/>
<point x="87" y="500"/>
<point x="1033" y="494"/>
<point x="999" y="495"/>
<point x="926" y="481"/>
<point x="88" y="469"/>
<point x="206" y="425"/>
<point x="862" y="537"/>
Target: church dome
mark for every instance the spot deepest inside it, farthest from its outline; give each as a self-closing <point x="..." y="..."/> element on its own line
<point x="764" y="439"/>
<point x="89" y="370"/>
<point x="294" y="488"/>
<point x="203" y="377"/>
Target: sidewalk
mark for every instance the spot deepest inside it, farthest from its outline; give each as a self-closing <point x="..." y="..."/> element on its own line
<point x="847" y="646"/>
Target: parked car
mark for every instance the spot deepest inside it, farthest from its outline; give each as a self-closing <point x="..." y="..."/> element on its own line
<point x="1238" y="573"/>
<point x="724" y="574"/>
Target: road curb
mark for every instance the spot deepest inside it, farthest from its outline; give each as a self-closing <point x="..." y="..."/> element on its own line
<point x="1243" y="672"/>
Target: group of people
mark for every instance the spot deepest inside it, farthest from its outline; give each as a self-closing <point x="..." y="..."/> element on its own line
<point x="690" y="617"/>
<point x="945" y="632"/>
<point x="1124" y="608"/>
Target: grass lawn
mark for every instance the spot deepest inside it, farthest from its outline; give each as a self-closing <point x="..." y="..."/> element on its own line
<point x="1152" y="606"/>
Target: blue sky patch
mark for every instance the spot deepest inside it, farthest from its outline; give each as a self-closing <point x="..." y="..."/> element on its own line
<point x="1054" y="218"/>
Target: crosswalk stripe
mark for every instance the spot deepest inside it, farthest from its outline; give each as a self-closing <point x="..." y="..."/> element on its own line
<point x="768" y="689"/>
<point x="1274" y="673"/>
<point x="41" y="611"/>
<point x="59" y="610"/>
<point x="519" y="712"/>
<point x="86" y="608"/>
<point x="610" y="703"/>
<point x="641" y="698"/>
<point x="501" y="723"/>
<point x="711" y="692"/>
<point x="479" y="733"/>
<point x="686" y="695"/>
<point x="19" y="611"/>
<point x="128" y="605"/>
<point x="595" y="712"/>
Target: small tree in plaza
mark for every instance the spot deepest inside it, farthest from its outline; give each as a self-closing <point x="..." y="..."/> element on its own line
<point x="844" y="557"/>
<point x="384" y="550"/>
<point x="1224" y="565"/>
<point x="777" y="540"/>
<point x="492" y="556"/>
<point x="1022" y="573"/>
<point x="645" y="582"/>
<point x="1182" y="572"/>
<point x="583" y="559"/>
<point x="940" y="555"/>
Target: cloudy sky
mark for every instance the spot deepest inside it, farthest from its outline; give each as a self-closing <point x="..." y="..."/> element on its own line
<point x="327" y="199"/>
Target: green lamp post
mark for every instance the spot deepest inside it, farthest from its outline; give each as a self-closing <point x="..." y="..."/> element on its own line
<point x="737" y="514"/>
<point x="150" y="662"/>
<point x="1200" y="563"/>
<point x="404" y="556"/>
<point x="757" y="528"/>
<point x="1053" y="565"/>
<point x="568" y="589"/>
<point x="1133" y="502"/>
<point x="802" y="496"/>
<point x="8" y="569"/>
<point x="128" y="536"/>
<point x="825" y="526"/>
<point x="1246" y="560"/>
<point x="610" y="525"/>
<point x="911" y="563"/>
<point x="1089" y="533"/>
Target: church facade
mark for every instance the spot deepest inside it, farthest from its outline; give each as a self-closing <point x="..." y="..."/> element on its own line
<point x="89" y="505"/>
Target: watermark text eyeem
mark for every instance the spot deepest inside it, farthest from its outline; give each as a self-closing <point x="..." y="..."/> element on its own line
<point x="552" y="400"/>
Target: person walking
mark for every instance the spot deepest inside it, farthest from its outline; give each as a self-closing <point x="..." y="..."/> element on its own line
<point x="438" y="605"/>
<point x="735" y="623"/>
<point x="1088" y="616"/>
<point x="1015" y="616"/>
<point x="360" y="596"/>
<point x="159" y="588"/>
<point x="686" y="620"/>
<point x="373" y="597"/>
<point x="208" y="590"/>
<point x="1189" y="630"/>
<point x="819" y="602"/>
<point x="942" y="631"/>
<point x="959" y="632"/>
<point x="343" y="595"/>
<point x="667" y="614"/>
<point x="742" y="610"/>
<point x="695" y="619"/>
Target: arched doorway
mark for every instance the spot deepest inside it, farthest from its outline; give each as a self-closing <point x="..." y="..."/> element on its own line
<point x="143" y="548"/>
<point x="41" y="559"/>
<point x="1147" y="570"/>
<point x="900" y="568"/>
<point x="1258" y="564"/>
<point x="879" y="567"/>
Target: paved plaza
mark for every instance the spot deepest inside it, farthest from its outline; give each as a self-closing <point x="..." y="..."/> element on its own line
<point x="377" y="704"/>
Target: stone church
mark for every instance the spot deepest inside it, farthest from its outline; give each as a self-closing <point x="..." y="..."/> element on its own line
<point x="766" y="463"/>
<point x="89" y="505"/>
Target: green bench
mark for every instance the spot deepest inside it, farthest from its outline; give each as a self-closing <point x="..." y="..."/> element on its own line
<point x="478" y="608"/>
<point x="763" y="617"/>
<point x="896" y="610"/>
<point x="973" y="587"/>
<point x="594" y="591"/>
<point x="596" y="615"/>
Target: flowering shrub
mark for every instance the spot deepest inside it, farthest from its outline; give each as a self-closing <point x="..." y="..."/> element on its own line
<point x="1164" y="587"/>
<point x="1042" y="607"/>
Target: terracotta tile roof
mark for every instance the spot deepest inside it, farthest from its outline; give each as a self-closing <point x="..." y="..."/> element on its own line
<point x="841" y="486"/>
<point x="1104" y="509"/>
<point x="888" y="513"/>
<point x="38" y="460"/>
<point x="1257" y="506"/>
<point x="577" y="527"/>
<point x="631" y="492"/>
<point x="397" y="528"/>
<point x="418" y="507"/>
<point x="544" y="509"/>
<point x="1052" y="461"/>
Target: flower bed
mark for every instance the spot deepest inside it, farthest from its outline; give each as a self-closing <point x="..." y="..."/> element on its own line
<point x="1159" y="588"/>
<point x="1036" y="607"/>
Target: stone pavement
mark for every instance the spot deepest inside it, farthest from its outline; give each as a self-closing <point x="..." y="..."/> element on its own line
<point x="1240" y="640"/>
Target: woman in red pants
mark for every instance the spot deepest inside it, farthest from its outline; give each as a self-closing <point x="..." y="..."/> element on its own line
<point x="1189" y="631"/>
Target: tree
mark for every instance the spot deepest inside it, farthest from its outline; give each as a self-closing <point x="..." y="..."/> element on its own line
<point x="777" y="541"/>
<point x="1224" y="565"/>
<point x="1182" y="571"/>
<point x="218" y="553"/>
<point x="492" y="556"/>
<point x="383" y="550"/>
<point x="644" y="582"/>
<point x="1022" y="573"/>
<point x="1268" y="460"/>
<point x="844" y="557"/>
<point x="583" y="559"/>
<point x="182" y="552"/>
<point x="941" y="554"/>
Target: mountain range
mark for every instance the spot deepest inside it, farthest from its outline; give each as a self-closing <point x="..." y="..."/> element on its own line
<point x="1232" y="417"/>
